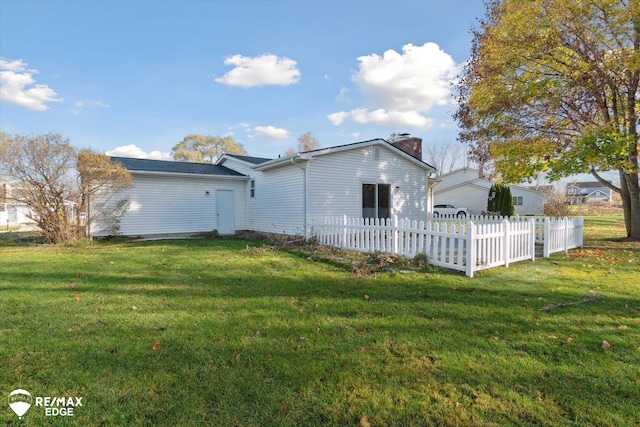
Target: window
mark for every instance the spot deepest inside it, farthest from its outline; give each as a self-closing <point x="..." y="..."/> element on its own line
<point x="376" y="200"/>
<point x="376" y="153"/>
<point x="253" y="188"/>
<point x="517" y="200"/>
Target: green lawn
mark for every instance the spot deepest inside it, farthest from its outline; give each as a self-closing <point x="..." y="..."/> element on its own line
<point x="236" y="333"/>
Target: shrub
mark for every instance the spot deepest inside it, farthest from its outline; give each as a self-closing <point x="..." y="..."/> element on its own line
<point x="500" y="200"/>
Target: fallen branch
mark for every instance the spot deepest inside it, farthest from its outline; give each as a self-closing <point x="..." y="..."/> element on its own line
<point x="566" y="303"/>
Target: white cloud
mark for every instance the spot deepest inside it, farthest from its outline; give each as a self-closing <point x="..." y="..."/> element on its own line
<point x="342" y="95"/>
<point x="17" y="86"/>
<point x="403" y="87"/>
<point x="392" y="119"/>
<point x="79" y="106"/>
<point x="338" y="118"/>
<point x="417" y="79"/>
<point x="271" y="132"/>
<point x="260" y="70"/>
<point x="353" y="135"/>
<point x="238" y="126"/>
<point x="16" y="65"/>
<point x="134" y="151"/>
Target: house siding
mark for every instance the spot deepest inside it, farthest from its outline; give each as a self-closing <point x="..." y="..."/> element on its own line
<point x="475" y="198"/>
<point x="238" y="166"/>
<point x="532" y="201"/>
<point x="162" y="205"/>
<point x="15" y="214"/>
<point x="335" y="183"/>
<point x="464" y="196"/>
<point x="245" y="169"/>
<point x="278" y="205"/>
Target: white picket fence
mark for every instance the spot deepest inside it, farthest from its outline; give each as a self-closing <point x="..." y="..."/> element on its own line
<point x="456" y="243"/>
<point x="562" y="234"/>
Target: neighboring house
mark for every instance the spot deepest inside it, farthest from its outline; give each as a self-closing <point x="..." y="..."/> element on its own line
<point x="579" y="193"/>
<point x="466" y="188"/>
<point x="12" y="213"/>
<point x="547" y="191"/>
<point x="372" y="179"/>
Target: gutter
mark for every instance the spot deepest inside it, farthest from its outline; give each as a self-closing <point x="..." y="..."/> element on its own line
<point x="187" y="175"/>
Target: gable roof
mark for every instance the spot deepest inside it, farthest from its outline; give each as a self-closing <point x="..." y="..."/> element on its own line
<point x="308" y="155"/>
<point x="172" y="167"/>
<point x="476" y="183"/>
<point x="599" y="192"/>
<point x="458" y="171"/>
<point x="248" y="159"/>
<point x="481" y="183"/>
<point x="544" y="188"/>
<point x="587" y="184"/>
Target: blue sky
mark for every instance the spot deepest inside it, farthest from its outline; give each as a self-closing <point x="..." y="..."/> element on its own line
<point x="134" y="78"/>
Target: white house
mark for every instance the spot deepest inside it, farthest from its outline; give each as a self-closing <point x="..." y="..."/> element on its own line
<point x="12" y="212"/>
<point x="374" y="179"/>
<point x="466" y="188"/>
<point x="174" y="198"/>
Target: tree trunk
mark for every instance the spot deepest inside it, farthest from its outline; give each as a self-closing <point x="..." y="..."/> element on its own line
<point x="630" y="193"/>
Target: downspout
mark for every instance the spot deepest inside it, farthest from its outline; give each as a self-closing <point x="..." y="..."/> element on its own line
<point x="304" y="195"/>
<point x="427" y="175"/>
<point x="430" y="192"/>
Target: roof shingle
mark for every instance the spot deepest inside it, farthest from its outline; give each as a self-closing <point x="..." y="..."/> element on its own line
<point x="249" y="159"/>
<point x="147" y="165"/>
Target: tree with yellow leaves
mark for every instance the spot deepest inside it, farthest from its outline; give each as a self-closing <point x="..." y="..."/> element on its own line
<point x="552" y="87"/>
<point x="205" y="149"/>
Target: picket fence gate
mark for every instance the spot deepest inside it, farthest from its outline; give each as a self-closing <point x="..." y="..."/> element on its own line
<point x="467" y="245"/>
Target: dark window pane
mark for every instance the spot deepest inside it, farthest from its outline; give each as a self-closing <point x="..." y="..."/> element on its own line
<point x="368" y="200"/>
<point x="384" y="198"/>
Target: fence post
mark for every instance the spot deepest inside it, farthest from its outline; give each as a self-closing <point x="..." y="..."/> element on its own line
<point x="427" y="239"/>
<point x="344" y="231"/>
<point x="471" y="252"/>
<point x="532" y="247"/>
<point x="581" y="222"/>
<point x="565" y="233"/>
<point x="547" y="237"/>
<point x="395" y="234"/>
<point x="506" y="244"/>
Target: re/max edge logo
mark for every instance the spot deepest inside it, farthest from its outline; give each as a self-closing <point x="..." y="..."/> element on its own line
<point x="21" y="400"/>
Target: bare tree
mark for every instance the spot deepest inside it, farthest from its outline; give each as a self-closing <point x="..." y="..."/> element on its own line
<point x="445" y="157"/>
<point x="555" y="202"/>
<point x="45" y="177"/>
<point x="306" y="142"/>
<point x="100" y="179"/>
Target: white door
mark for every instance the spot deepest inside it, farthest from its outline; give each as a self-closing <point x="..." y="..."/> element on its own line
<point x="226" y="212"/>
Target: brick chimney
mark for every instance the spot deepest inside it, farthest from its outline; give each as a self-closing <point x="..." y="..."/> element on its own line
<point x="410" y="145"/>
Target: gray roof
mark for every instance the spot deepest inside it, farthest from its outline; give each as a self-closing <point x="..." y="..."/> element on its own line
<point x="249" y="159"/>
<point x="174" y="167"/>
<point x="588" y="184"/>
